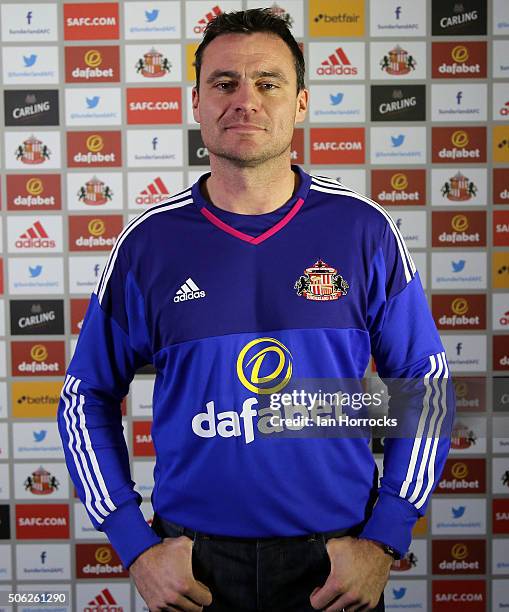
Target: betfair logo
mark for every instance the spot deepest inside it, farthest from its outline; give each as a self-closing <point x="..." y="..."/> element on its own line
<point x="333" y="18"/>
<point x="271" y="356"/>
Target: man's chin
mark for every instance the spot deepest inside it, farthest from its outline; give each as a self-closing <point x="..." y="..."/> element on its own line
<point x="246" y="157"/>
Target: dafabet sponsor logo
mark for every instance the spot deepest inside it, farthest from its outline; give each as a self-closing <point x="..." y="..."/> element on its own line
<point x="33" y="192"/>
<point x="97" y="64"/>
<point x="459" y="60"/>
<point x="465" y="144"/>
<point x="399" y="187"/>
<point x="93" y="149"/>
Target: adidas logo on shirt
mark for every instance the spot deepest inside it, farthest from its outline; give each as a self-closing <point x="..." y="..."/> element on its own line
<point x="189" y="291"/>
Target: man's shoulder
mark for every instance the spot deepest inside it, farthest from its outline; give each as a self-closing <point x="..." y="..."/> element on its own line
<point x="155" y="219"/>
<point x="349" y="203"/>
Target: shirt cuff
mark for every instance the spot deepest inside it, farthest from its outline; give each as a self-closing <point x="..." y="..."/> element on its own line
<point x="129" y="532"/>
<point x="391" y="522"/>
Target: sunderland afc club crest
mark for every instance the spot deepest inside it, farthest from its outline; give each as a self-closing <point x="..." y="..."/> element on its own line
<point x="320" y="282"/>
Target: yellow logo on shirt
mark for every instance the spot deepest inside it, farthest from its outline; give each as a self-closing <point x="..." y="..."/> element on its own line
<point x="249" y="366"/>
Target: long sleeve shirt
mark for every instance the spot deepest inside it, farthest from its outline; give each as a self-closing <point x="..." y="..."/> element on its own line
<point x="230" y="309"/>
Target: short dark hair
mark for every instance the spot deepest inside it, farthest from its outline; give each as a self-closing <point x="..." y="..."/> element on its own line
<point x="247" y="22"/>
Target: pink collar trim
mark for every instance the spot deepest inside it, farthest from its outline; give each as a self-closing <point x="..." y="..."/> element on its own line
<point x="246" y="237"/>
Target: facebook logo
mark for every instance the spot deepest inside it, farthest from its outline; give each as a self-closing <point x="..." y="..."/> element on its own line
<point x="399" y="222"/>
<point x="29" y="17"/>
<point x="155" y="142"/>
<point x="96" y="270"/>
<point x="459" y="348"/>
<point x="397" y="12"/>
<point x="459" y="95"/>
<point x="43" y="557"/>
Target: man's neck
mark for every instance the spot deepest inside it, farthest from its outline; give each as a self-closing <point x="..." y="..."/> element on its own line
<point x="250" y="190"/>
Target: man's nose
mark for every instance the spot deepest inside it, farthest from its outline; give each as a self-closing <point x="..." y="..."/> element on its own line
<point x="246" y="97"/>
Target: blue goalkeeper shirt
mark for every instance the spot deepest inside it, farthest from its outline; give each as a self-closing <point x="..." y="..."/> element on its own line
<point x="229" y="309"/>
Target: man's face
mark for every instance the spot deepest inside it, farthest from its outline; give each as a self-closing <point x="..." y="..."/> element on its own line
<point x="248" y="105"/>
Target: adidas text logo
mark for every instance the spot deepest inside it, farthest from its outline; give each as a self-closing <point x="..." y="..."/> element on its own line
<point x="337" y="64"/>
<point x="35" y="237"/>
<point x="188" y="291"/>
<point x="154" y="193"/>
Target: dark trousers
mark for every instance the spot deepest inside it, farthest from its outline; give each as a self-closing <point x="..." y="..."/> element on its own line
<point x="258" y="575"/>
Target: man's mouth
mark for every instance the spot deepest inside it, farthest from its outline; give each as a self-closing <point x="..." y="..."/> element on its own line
<point x="244" y="127"/>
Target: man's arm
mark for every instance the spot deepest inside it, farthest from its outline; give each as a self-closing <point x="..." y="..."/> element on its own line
<point x="112" y="345"/>
<point x="407" y="348"/>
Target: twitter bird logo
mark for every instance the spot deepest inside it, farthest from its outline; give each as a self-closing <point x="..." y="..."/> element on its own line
<point x="34" y="272"/>
<point x="29" y="60"/>
<point x="151" y="15"/>
<point x="93" y="102"/>
<point x="457" y="266"/>
<point x="458" y="512"/>
<point x="39" y="435"/>
<point x="335" y="100"/>
<point x="398" y="593"/>
<point x="398" y="140"/>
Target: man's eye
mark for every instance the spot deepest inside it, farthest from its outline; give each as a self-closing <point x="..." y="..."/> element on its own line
<point x="223" y="85"/>
<point x="269" y="86"/>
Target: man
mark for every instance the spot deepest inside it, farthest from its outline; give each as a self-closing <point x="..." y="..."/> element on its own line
<point x="258" y="275"/>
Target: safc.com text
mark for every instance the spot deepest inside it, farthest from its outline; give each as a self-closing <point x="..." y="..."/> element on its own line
<point x="90" y="21"/>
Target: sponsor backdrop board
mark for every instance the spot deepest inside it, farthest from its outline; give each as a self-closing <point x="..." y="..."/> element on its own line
<point x="409" y="106"/>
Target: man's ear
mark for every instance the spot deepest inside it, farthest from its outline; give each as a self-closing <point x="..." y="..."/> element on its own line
<point x="302" y="105"/>
<point x="196" y="104"/>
